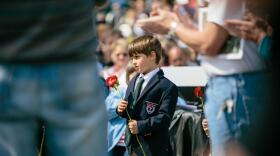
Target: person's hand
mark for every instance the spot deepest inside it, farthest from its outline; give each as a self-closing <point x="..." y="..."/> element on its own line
<point x="122" y="106"/>
<point x="184" y="16"/>
<point x="132" y="125"/>
<point x="246" y="29"/>
<point x="159" y="22"/>
<point x="205" y="126"/>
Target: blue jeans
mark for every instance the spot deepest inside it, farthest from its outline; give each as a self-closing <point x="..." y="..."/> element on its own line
<point x="233" y="103"/>
<point x="65" y="97"/>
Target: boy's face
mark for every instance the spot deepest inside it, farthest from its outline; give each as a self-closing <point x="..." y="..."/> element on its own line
<point x="143" y="63"/>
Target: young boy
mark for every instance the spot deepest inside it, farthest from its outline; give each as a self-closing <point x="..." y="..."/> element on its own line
<point x="150" y="101"/>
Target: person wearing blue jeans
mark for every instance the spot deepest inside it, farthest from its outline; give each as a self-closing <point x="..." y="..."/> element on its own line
<point x="48" y="75"/>
<point x="234" y="104"/>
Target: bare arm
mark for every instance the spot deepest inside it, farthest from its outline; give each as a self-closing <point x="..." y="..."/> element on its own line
<point x="209" y="42"/>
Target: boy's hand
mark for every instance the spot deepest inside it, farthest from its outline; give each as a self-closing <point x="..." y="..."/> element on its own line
<point x="122" y="106"/>
<point x="132" y="124"/>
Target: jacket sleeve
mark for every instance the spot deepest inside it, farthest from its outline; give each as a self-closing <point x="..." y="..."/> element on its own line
<point x="164" y="117"/>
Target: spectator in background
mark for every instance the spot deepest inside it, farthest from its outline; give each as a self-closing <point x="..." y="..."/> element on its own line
<point x="180" y="57"/>
<point x="252" y="28"/>
<point x="163" y="62"/>
<point x="104" y="32"/>
<point x="103" y="50"/>
<point x="120" y="59"/>
<point x="117" y="125"/>
<point x="48" y="73"/>
<point x="177" y="57"/>
<point x="139" y="6"/>
<point x="162" y="4"/>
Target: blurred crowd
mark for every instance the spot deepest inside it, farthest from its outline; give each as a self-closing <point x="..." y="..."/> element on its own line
<point x="116" y="26"/>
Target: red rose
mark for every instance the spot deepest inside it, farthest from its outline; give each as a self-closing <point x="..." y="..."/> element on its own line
<point x="198" y="92"/>
<point x="112" y="81"/>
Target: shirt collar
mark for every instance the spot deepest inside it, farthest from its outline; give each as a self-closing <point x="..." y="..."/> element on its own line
<point x="149" y="75"/>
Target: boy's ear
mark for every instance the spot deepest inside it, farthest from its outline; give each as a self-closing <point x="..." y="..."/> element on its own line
<point x="153" y="55"/>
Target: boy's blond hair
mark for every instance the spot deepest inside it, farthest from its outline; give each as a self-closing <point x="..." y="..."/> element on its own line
<point x="145" y="45"/>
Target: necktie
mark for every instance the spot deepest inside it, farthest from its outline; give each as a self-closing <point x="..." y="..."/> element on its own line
<point x="138" y="89"/>
<point x="136" y="94"/>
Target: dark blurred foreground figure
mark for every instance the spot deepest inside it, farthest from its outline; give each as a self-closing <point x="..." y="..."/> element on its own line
<point x="48" y="73"/>
<point x="266" y="139"/>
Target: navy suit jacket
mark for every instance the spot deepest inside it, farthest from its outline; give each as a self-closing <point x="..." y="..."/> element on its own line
<point x="153" y="111"/>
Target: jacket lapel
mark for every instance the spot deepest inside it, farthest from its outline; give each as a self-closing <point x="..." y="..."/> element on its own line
<point x="130" y="88"/>
<point x="154" y="80"/>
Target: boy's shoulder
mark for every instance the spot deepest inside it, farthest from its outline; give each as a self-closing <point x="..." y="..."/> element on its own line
<point x="166" y="83"/>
